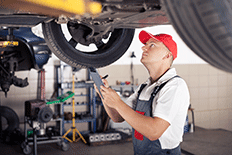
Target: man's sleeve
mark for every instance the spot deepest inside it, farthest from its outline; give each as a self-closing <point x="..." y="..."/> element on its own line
<point x="171" y="99"/>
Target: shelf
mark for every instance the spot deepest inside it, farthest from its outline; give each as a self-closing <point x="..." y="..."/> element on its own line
<point x="76" y="104"/>
<point x="81" y="95"/>
<point x="57" y="119"/>
<point x="89" y="93"/>
<point x="87" y="119"/>
<point x="124" y="86"/>
<point x="68" y="85"/>
<point x="46" y="140"/>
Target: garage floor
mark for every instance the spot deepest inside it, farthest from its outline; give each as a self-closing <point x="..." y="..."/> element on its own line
<point x="201" y="142"/>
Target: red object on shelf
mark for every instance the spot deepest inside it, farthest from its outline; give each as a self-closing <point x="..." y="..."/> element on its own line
<point x="127" y="82"/>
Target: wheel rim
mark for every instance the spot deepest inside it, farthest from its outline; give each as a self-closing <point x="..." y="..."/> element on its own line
<point x="65" y="45"/>
<point x="86" y="40"/>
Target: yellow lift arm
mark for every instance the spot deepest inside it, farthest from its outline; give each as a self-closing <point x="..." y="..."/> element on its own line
<point x="54" y="7"/>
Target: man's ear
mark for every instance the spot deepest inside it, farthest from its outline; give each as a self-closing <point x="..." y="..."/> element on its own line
<point x="167" y="56"/>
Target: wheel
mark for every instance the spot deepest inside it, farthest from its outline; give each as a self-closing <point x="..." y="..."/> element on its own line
<point x="107" y="47"/>
<point x="206" y="27"/>
<point x="10" y="119"/>
<point x="27" y="150"/>
<point x="65" y="146"/>
<point x="59" y="143"/>
<point x="23" y="145"/>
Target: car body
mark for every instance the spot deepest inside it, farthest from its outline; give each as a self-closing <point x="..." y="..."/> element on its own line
<point x="21" y="50"/>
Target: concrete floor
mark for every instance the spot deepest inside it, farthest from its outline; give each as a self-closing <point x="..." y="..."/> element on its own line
<point x="201" y="142"/>
<point x="208" y="142"/>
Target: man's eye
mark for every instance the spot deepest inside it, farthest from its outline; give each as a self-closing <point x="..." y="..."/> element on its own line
<point x="152" y="45"/>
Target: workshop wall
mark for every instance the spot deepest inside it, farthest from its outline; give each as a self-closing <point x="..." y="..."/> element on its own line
<point x="16" y="97"/>
<point x="210" y="88"/>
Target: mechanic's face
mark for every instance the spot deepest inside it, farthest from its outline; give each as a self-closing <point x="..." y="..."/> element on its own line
<point x="153" y="51"/>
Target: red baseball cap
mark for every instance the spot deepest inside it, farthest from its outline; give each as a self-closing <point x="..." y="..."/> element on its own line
<point x="164" y="38"/>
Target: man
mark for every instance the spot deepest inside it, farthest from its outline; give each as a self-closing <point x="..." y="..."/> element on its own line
<point x="156" y="115"/>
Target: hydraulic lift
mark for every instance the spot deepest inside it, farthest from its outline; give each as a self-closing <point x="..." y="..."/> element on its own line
<point x="54" y="7"/>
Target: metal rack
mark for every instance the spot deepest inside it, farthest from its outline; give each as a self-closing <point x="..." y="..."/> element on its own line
<point x="91" y="119"/>
<point x="90" y="103"/>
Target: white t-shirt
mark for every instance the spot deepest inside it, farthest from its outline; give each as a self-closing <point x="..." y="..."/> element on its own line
<point x="170" y="103"/>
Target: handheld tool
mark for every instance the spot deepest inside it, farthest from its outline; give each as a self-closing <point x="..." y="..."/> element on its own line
<point x="96" y="78"/>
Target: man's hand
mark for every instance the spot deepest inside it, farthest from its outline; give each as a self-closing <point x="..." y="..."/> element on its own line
<point x="110" y="101"/>
<point x="111" y="98"/>
<point x="105" y="83"/>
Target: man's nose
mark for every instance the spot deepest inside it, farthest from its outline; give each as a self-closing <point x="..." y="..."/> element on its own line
<point x="144" y="48"/>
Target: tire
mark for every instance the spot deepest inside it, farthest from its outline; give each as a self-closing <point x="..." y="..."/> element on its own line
<point x="11" y="118"/>
<point x="65" y="146"/>
<point x="27" y="150"/>
<point x="116" y="46"/>
<point x="206" y="27"/>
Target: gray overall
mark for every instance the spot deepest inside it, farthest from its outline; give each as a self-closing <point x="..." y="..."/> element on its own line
<point x="142" y="145"/>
